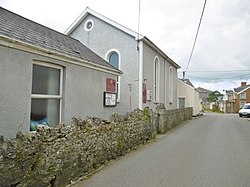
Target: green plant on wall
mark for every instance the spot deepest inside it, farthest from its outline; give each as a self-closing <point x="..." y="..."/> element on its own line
<point x="146" y="112"/>
<point x="121" y="140"/>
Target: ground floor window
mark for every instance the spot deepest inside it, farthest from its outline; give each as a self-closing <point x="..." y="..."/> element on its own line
<point x="242" y="103"/>
<point x="46" y="94"/>
<point x="181" y="102"/>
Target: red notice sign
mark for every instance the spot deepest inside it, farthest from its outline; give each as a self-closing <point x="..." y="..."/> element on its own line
<point x="110" y="85"/>
<point x="144" y="93"/>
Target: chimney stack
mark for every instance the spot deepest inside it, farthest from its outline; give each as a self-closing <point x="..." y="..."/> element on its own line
<point x="243" y="83"/>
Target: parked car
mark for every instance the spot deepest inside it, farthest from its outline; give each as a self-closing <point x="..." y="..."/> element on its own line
<point x="245" y="110"/>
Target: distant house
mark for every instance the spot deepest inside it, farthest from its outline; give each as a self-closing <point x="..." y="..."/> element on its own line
<point x="204" y="93"/>
<point x="230" y="101"/>
<point x="47" y="77"/>
<point x="242" y="96"/>
<point x="188" y="96"/>
<point x="149" y="75"/>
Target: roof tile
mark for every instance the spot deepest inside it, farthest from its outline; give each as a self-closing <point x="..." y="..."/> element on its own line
<point x="22" y="29"/>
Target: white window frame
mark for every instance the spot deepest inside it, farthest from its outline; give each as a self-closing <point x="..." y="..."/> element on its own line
<point x="119" y="67"/>
<point x="243" y="96"/>
<point x="165" y="82"/>
<point x="156" y="79"/>
<point x="86" y="25"/>
<point x="45" y="96"/>
<point x="242" y="103"/>
<point x="179" y="98"/>
<point x="171" y="85"/>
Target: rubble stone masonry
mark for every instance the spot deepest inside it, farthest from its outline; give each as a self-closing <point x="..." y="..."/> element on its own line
<point x="57" y="156"/>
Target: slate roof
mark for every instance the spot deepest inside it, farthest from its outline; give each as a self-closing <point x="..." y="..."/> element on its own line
<point x="19" y="28"/>
<point x="203" y="90"/>
<point x="188" y="82"/>
<point x="241" y="88"/>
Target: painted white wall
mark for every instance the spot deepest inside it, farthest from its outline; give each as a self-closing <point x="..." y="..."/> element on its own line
<point x="82" y="90"/>
<point x="191" y="96"/>
<point x="137" y="63"/>
<point x="103" y="38"/>
<point x="149" y="56"/>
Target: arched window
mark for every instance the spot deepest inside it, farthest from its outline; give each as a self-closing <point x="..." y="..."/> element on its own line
<point x="166" y="82"/>
<point x="113" y="59"/>
<point x="156" y="79"/>
<point x="171" y="85"/>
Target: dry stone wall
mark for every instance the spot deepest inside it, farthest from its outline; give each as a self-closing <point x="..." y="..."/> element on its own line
<point x="57" y="156"/>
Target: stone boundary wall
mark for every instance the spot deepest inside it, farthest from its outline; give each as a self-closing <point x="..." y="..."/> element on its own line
<point x="57" y="156"/>
<point x="168" y="119"/>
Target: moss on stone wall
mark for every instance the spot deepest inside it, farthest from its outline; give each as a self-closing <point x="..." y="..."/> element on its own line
<point x="56" y="156"/>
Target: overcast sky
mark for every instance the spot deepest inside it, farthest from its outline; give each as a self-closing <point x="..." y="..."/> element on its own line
<point x="221" y="59"/>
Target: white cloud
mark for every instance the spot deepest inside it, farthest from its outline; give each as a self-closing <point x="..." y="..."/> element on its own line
<point x="223" y="42"/>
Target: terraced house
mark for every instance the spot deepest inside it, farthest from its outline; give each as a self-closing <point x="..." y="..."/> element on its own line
<point x="48" y="77"/>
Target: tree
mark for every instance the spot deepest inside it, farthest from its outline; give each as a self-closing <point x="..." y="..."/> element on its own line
<point x="215" y="96"/>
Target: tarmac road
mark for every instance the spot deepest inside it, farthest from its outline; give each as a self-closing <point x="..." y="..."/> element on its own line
<point x="213" y="150"/>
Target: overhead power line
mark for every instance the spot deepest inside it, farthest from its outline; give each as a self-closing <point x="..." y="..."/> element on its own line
<point x="218" y="74"/>
<point x="190" y="57"/>
<point x="217" y="71"/>
<point x="221" y="77"/>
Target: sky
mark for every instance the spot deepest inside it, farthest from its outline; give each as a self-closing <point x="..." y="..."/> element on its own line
<point x="221" y="57"/>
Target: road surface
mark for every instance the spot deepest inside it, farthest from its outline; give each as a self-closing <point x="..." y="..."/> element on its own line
<point x="213" y="151"/>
